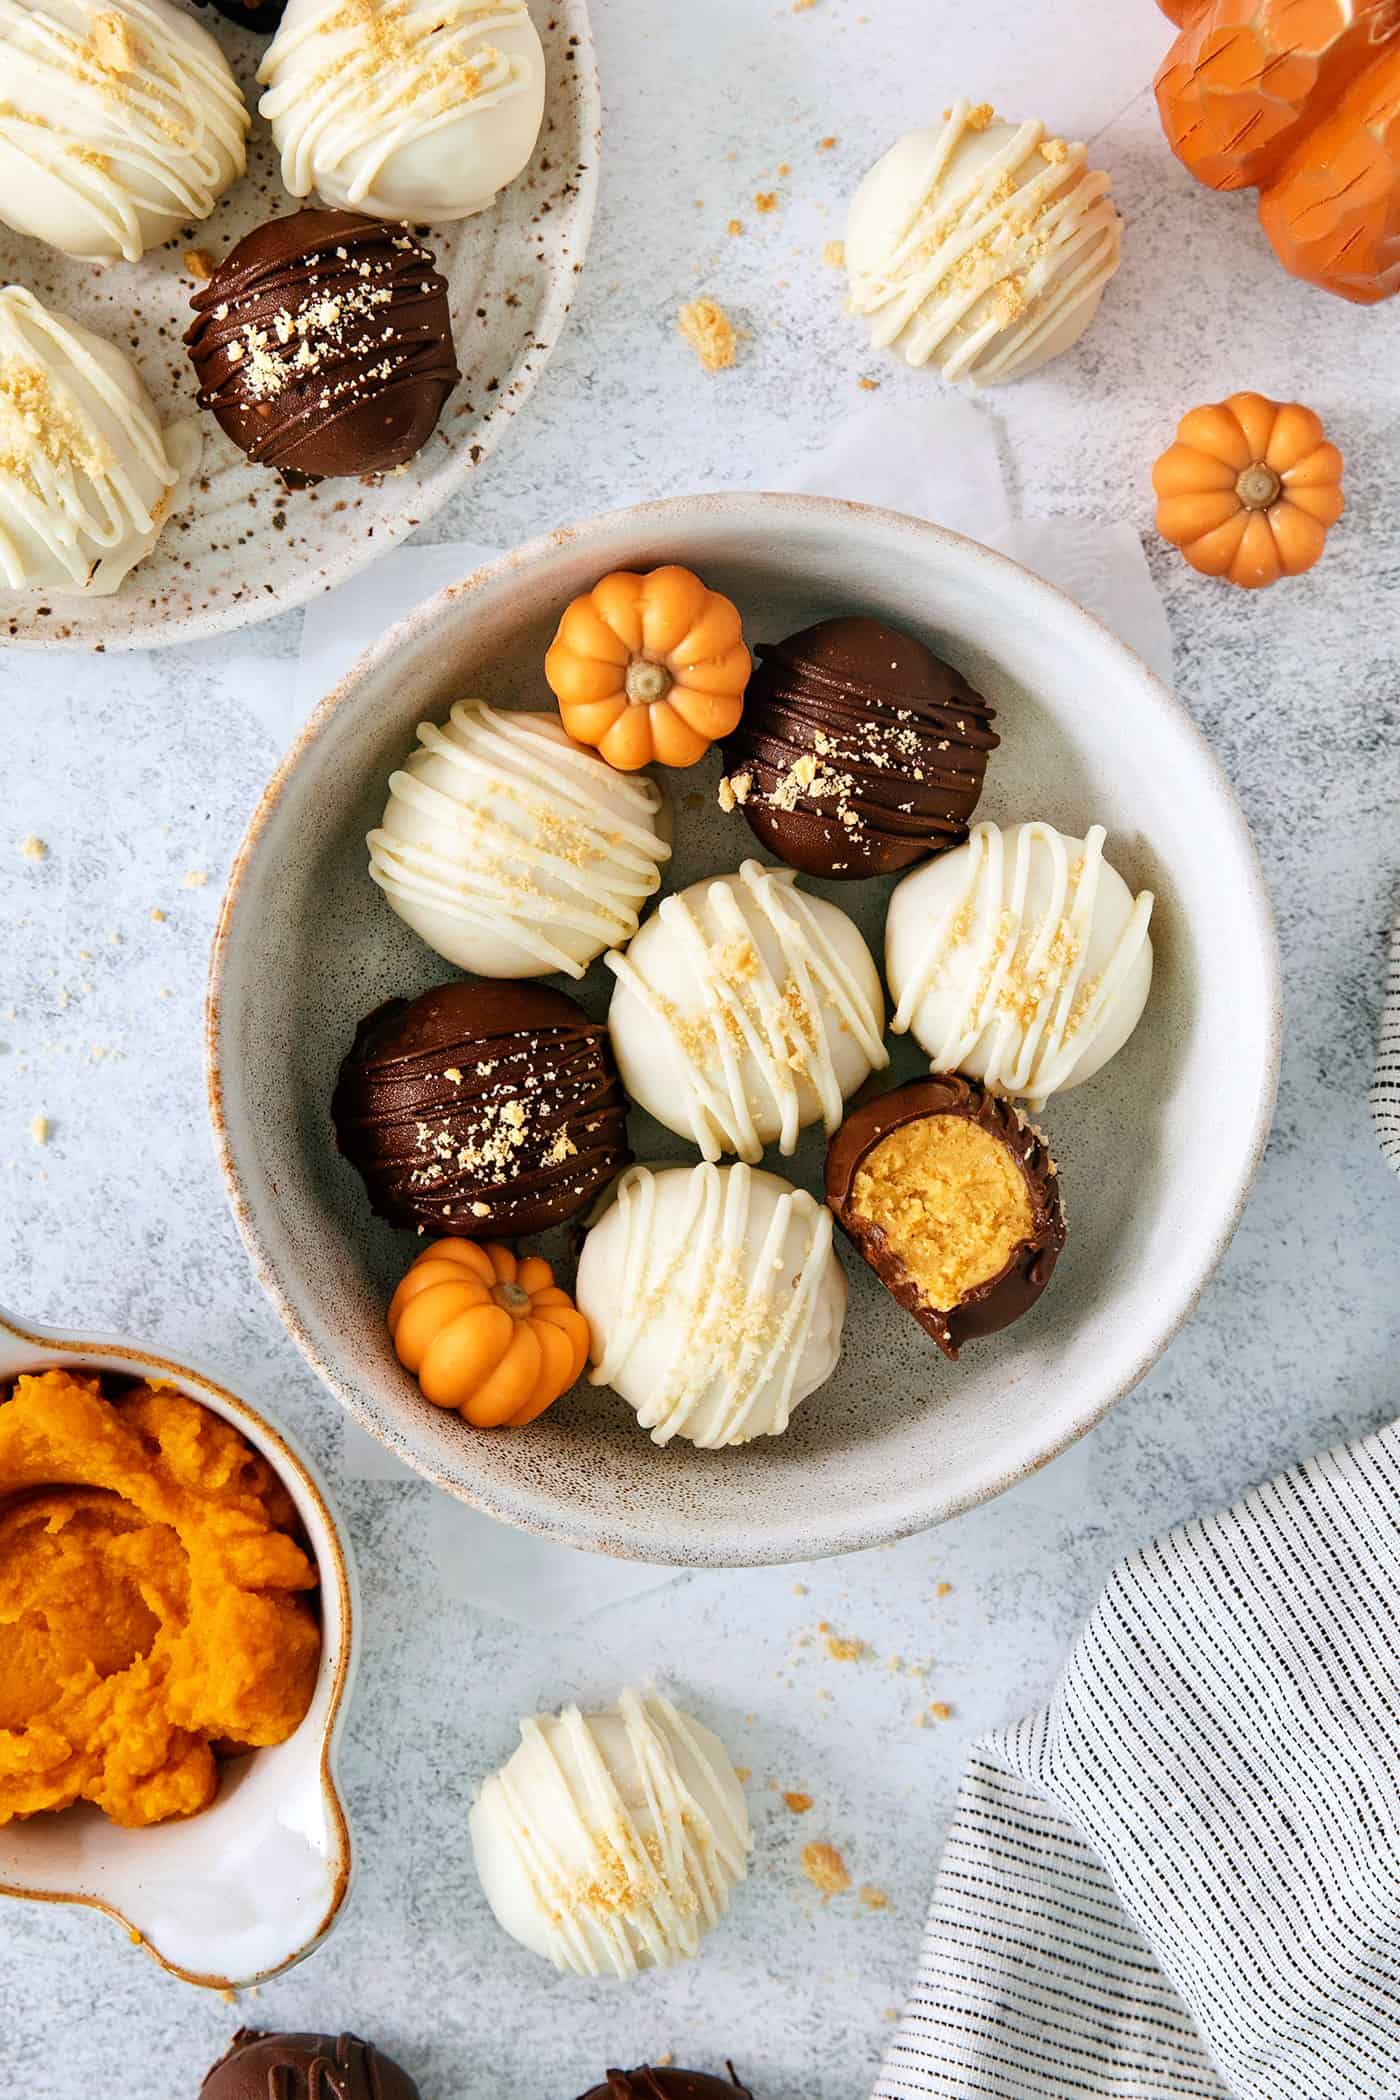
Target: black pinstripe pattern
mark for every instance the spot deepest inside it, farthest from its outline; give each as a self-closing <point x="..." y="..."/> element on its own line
<point x="1385" y="1094"/>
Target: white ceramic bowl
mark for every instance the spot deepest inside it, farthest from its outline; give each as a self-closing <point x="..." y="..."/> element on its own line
<point x="1156" y="1153"/>
<point x="229" y="1897"/>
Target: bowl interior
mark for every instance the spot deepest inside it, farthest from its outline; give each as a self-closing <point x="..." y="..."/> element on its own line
<point x="1155" y="1153"/>
<point x="253" y="1882"/>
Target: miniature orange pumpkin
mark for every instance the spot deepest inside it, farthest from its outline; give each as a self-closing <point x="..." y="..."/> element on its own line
<point x="492" y="1336"/>
<point x="1299" y="99"/>
<point x="1249" y="489"/>
<point x="649" y="667"/>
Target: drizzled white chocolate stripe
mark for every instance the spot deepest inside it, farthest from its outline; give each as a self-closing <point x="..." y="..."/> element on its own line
<point x="1004" y="236"/>
<point x="734" y="1284"/>
<point x="1033" y="1015"/>
<point x="118" y="123"/>
<point x="528" y="836"/>
<point x="748" y="1028"/>
<point x="601" y="1887"/>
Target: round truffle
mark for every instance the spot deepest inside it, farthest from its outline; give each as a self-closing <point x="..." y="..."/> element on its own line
<point x="484" y="1110"/>
<point x="954" y="1202"/>
<point x="744" y="1011"/>
<point x="980" y="247"/>
<point x="715" y="1301"/>
<point x="305" y="2067"/>
<point x="87" y="475"/>
<point x="1023" y="958"/>
<point x="323" y="346"/>
<point x="646" y="2083"/>
<point x="859" y="751"/>
<point x="512" y="850"/>
<point x="610" y="1842"/>
<point x="119" y="124"/>
<point x="406" y="109"/>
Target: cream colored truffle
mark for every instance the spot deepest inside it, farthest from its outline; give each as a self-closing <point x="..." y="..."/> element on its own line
<point x="1022" y="958"/>
<point x="514" y="851"/>
<point x="87" y="475"/>
<point x="120" y="122"/>
<point x="981" y="247"/>
<point x="745" y="1010"/>
<point x="404" y="109"/>
<point x="610" y="1842"/>
<point x="714" y="1299"/>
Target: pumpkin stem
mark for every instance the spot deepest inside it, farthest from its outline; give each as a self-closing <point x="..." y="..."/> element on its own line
<point x="646" y="682"/>
<point x="1258" y="486"/>
<point x="513" y="1296"/>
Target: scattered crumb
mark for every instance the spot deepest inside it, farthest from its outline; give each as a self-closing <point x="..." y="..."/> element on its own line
<point x="194" y="879"/>
<point x="158" y="915"/>
<point x="799" y="1589"/>
<point x="454" y="1073"/>
<point x="229" y="1996"/>
<point x="783" y="168"/>
<point x="39" y="1130"/>
<point x="710" y="333"/>
<point x="765" y="200"/>
<point x="664" y="2061"/>
<point x="874" y="1899"/>
<point x="921" y="1719"/>
<point x="869" y="386"/>
<point x="979" y="118"/>
<point x="481" y="1210"/>
<point x="164" y="991"/>
<point x="735" y="226"/>
<point x="200" y="264"/>
<point x="941" y="1710"/>
<point x="798" y="1803"/>
<point x="1055" y="151"/>
<point x="845" y="1651"/>
<point x="825" y="145"/>
<point x="834" y="255"/>
<point x="825" y="1869"/>
<point x="743" y="1773"/>
<point x="890" y="2013"/>
<point x="113" y="45"/>
<point x="800" y="7"/>
<point x="944" y="1589"/>
<point x="34" y="849"/>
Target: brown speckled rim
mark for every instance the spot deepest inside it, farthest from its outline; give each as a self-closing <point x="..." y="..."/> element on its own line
<point x="810" y="1537"/>
<point x="51" y="1350"/>
<point x="486" y="434"/>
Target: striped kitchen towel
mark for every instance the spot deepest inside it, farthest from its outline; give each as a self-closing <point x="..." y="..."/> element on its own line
<point x="1385" y="1094"/>
<point x="1182" y="1880"/>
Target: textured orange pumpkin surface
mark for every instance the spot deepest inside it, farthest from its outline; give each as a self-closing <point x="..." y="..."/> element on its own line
<point x="150" y="1600"/>
<point x="1299" y="99"/>
<point x="1249" y="489"/>
<point x="649" y="668"/>
<point x="487" y="1333"/>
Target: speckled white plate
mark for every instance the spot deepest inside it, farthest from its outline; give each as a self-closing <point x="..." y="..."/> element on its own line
<point x="238" y="1893"/>
<point x="242" y="547"/>
<point x="1156" y="1154"/>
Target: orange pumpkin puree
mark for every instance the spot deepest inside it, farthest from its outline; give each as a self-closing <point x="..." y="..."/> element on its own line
<point x="152" y="1600"/>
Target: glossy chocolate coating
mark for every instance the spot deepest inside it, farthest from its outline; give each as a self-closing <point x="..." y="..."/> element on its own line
<point x="258" y="2066"/>
<point x="894" y="740"/>
<point x="323" y="345"/>
<point x="530" y="1128"/>
<point x="1002" y="1298"/>
<point x="649" y="2084"/>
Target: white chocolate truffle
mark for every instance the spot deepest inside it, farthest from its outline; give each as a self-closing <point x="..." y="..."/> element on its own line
<point x="714" y="1299"/>
<point x="744" y="1011"/>
<point x="1022" y="959"/>
<point x="120" y="123"/>
<point x="512" y="850"/>
<point x="87" y="475"/>
<point x="981" y="247"/>
<point x="609" y="1842"/>
<point x="404" y="109"/>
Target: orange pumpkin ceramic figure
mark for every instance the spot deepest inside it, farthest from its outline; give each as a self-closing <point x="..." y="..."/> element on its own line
<point x="1299" y="99"/>
<point x="486" y="1333"/>
<point x="1249" y="489"/>
<point x="649" y="667"/>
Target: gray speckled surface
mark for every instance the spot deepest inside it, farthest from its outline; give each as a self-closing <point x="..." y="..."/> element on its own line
<point x="140" y="773"/>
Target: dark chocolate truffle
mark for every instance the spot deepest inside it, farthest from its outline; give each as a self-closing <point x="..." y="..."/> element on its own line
<point x="859" y="751"/>
<point x="483" y="1109"/>
<point x="258" y="2066"/>
<point x="323" y="345"/>
<point x="953" y="1200"/>
<point x="648" y="2084"/>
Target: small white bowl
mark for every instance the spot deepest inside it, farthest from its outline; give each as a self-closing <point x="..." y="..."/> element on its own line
<point x="1157" y="1152"/>
<point x="239" y="1892"/>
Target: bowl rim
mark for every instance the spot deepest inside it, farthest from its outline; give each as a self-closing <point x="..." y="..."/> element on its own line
<point x="48" y="1346"/>
<point x="507" y="405"/>
<point x="532" y="1510"/>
